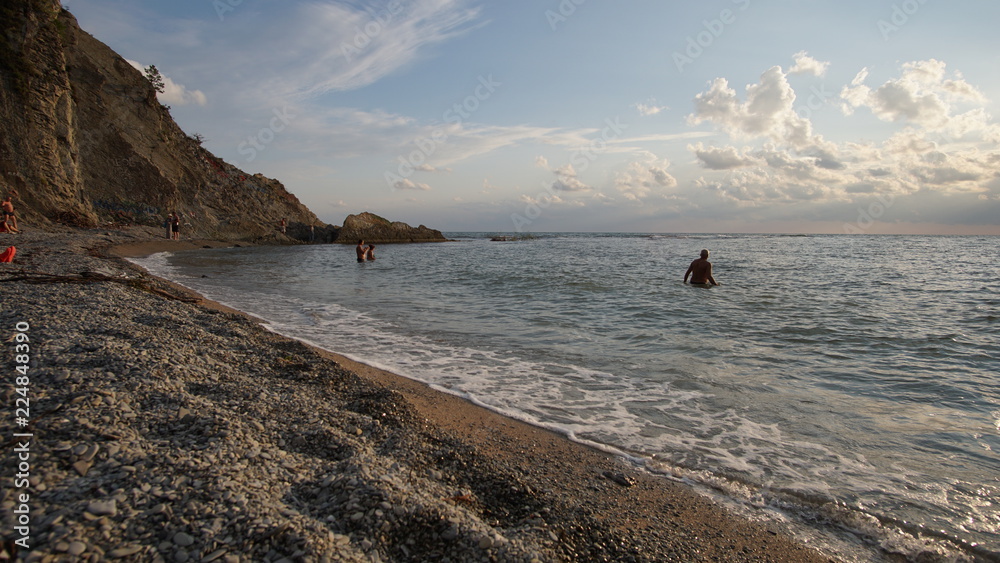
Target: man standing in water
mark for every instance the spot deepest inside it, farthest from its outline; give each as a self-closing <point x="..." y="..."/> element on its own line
<point x="360" y="249"/>
<point x="700" y="271"/>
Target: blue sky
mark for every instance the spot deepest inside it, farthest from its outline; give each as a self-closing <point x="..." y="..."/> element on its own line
<point x="582" y="115"/>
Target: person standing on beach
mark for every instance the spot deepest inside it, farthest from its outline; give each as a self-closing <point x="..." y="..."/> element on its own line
<point x="360" y="249"/>
<point x="175" y="227"/>
<point x="168" y="224"/>
<point x="700" y="271"/>
<point x="9" y="219"/>
<point x="283" y="225"/>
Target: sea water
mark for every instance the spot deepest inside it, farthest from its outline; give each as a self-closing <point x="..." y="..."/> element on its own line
<point x="844" y="385"/>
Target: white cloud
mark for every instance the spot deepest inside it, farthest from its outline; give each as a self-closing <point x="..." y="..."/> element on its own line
<point x="945" y="144"/>
<point x="856" y="94"/>
<point x="642" y="179"/>
<point x="471" y="139"/>
<point x="429" y="168"/>
<point x="804" y="64"/>
<point x="568" y="171"/>
<point x="261" y="57"/>
<point x="976" y="123"/>
<point x="344" y="133"/>
<point x="792" y="166"/>
<point x="337" y="133"/>
<point x="347" y="48"/>
<point x="570" y="184"/>
<point x="407" y="184"/>
<point x="947" y="175"/>
<point x="649" y="108"/>
<point x="922" y="95"/>
<point x="543" y="200"/>
<point x="568" y="181"/>
<point x="488" y="187"/>
<point x="909" y="142"/>
<point x="174" y="93"/>
<point x="724" y="158"/>
<point x="768" y="111"/>
<point x="895" y="101"/>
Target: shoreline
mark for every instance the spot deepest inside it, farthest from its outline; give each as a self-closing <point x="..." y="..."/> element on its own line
<point x="523" y="492"/>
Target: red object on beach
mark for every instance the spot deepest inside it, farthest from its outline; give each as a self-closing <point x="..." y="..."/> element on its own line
<point x="8" y="255"/>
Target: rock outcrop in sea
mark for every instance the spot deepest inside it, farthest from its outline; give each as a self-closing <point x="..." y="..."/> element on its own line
<point x="375" y="229"/>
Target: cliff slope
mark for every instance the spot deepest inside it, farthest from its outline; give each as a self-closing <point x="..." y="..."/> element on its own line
<point x="85" y="142"/>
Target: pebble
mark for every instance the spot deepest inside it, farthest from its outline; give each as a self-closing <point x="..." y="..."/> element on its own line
<point x="103" y="508"/>
<point x="129" y="551"/>
<point x="182" y="539"/>
<point x="213" y="556"/>
<point x="619" y="478"/>
<point x="89" y="453"/>
<point x="82" y="467"/>
<point x="76" y="548"/>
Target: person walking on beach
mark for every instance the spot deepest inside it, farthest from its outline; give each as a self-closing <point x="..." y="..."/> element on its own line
<point x="360" y="249"/>
<point x="9" y="219"/>
<point x="175" y="227"/>
<point x="700" y="271"/>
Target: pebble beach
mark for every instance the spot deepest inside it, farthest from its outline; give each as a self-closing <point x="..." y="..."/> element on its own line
<point x="145" y="423"/>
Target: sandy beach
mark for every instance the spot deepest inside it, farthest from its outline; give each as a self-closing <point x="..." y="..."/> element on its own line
<point x="165" y="427"/>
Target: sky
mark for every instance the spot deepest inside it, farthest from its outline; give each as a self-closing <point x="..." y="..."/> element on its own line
<point x="666" y="116"/>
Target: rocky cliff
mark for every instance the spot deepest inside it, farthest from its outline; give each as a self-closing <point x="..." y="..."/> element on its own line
<point x="375" y="229"/>
<point x="85" y="142"/>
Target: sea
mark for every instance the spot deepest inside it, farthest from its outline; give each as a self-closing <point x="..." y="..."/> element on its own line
<point x="843" y="387"/>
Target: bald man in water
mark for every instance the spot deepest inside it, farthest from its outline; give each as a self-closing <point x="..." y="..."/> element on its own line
<point x="700" y="271"/>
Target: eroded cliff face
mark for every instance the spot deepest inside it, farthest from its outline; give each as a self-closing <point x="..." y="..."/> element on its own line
<point x="85" y="142"/>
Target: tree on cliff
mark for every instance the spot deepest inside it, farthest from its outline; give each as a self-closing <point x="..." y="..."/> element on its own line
<point x="155" y="78"/>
